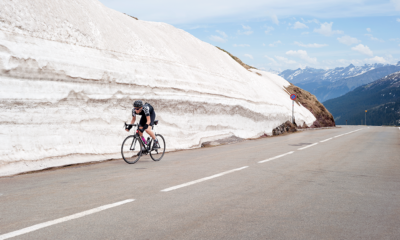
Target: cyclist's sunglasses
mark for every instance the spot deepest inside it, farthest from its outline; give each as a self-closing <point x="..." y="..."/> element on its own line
<point x="137" y="108"/>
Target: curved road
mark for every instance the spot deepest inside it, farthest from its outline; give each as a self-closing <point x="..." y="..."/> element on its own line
<point x="341" y="183"/>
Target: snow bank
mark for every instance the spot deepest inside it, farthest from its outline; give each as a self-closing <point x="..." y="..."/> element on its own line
<point x="70" y="70"/>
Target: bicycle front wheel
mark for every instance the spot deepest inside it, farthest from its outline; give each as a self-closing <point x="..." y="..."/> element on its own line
<point x="131" y="150"/>
<point x="157" y="153"/>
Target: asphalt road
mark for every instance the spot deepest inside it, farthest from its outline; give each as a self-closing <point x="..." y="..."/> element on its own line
<point x="347" y="187"/>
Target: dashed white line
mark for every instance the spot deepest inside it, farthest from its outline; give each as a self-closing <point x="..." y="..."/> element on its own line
<point x="326" y="140"/>
<point x="60" y="220"/>
<point x="307" y="146"/>
<point x="202" y="179"/>
<point x="338" y="136"/>
<point x="273" y="158"/>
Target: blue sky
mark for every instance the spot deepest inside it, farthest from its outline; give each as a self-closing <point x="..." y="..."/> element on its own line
<point x="287" y="34"/>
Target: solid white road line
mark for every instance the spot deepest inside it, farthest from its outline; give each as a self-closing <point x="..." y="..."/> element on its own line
<point x="307" y="146"/>
<point x="269" y="159"/>
<point x="326" y="140"/>
<point x="60" y="220"/>
<point x="202" y="179"/>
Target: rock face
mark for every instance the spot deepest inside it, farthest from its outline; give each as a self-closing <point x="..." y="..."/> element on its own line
<point x="70" y="71"/>
<point x="323" y="117"/>
<point x="286" y="127"/>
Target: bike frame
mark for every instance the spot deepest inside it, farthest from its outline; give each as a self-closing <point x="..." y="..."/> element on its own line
<point x="137" y="137"/>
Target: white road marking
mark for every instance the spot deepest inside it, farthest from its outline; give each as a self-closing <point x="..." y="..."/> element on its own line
<point x="269" y="159"/>
<point x="307" y="146"/>
<point x="326" y="140"/>
<point x="399" y="128"/>
<point x="338" y="136"/>
<point x="202" y="179"/>
<point x="60" y="220"/>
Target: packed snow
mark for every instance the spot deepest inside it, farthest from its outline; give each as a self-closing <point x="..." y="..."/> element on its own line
<point x="70" y="71"/>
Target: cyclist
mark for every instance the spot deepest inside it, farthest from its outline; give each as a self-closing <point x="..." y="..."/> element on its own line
<point x="146" y="122"/>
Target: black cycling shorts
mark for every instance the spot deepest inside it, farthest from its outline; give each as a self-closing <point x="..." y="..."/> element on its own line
<point x="143" y="120"/>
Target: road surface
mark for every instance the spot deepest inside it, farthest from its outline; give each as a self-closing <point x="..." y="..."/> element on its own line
<point x="340" y="183"/>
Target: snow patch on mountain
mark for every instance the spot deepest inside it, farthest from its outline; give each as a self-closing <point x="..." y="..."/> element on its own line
<point x="331" y="75"/>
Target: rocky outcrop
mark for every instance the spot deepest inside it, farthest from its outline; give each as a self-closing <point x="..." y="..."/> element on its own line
<point x="309" y="101"/>
<point x="286" y="127"/>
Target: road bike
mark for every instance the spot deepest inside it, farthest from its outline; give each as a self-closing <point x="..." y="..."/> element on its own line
<point x="133" y="147"/>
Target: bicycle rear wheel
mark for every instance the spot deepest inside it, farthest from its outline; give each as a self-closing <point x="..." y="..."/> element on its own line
<point x="131" y="150"/>
<point x="157" y="154"/>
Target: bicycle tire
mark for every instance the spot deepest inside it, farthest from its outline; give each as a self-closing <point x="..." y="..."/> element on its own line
<point x="155" y="154"/>
<point x="130" y="155"/>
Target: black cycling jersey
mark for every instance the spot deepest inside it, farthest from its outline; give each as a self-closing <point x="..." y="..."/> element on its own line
<point x="146" y="111"/>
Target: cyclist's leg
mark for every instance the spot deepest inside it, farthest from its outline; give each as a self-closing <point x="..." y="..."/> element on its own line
<point x="149" y="130"/>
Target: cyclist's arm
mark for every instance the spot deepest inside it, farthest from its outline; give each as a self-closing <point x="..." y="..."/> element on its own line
<point x="148" y="120"/>
<point x="133" y="120"/>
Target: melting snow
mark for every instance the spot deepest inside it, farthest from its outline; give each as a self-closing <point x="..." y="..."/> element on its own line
<point x="70" y="71"/>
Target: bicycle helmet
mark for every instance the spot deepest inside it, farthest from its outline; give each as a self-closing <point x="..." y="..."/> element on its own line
<point x="138" y="104"/>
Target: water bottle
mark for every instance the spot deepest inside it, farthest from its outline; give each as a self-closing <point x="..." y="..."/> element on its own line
<point x="144" y="140"/>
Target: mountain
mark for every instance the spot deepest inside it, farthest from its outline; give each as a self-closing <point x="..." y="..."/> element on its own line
<point x="328" y="84"/>
<point x="70" y="71"/>
<point x="380" y="98"/>
<point x="332" y="75"/>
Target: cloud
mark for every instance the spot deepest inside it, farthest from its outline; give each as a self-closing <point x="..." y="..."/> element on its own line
<point x="269" y="29"/>
<point x="198" y="26"/>
<point x="398" y="19"/>
<point x="223" y="34"/>
<point x="310" y="45"/>
<point x="376" y="59"/>
<point x="326" y="29"/>
<point x="363" y="49"/>
<point x="241" y="45"/>
<point x="177" y="12"/>
<point x="299" y="25"/>
<point x="285" y="60"/>
<point x="221" y="39"/>
<point x="396" y="4"/>
<point x="271" y="59"/>
<point x="274" y="44"/>
<point x="348" y="40"/>
<point x="274" y="19"/>
<point x="302" y="54"/>
<point x="247" y="31"/>
<point x="248" y="55"/>
<point x="374" y="38"/>
<point x="313" y="21"/>
<point x="369" y="29"/>
<point x="217" y="39"/>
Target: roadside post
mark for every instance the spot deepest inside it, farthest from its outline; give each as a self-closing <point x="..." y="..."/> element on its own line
<point x="365" y="117"/>
<point x="293" y="97"/>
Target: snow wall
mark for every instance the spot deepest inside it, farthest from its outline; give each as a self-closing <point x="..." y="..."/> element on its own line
<point x="70" y="71"/>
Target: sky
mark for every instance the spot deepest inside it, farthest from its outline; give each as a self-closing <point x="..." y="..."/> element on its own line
<point x="285" y="34"/>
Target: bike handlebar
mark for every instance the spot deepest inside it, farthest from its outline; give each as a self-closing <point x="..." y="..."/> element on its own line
<point x="126" y="125"/>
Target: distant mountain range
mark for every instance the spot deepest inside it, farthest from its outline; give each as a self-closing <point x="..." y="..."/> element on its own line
<point x="332" y="83"/>
<point x="380" y="98"/>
